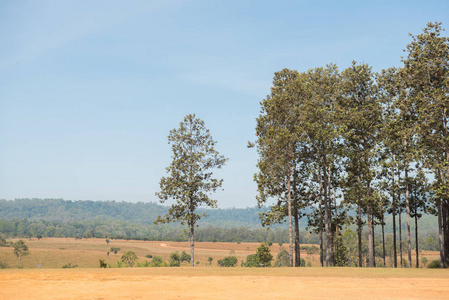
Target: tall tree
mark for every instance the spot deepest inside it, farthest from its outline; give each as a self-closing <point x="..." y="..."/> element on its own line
<point x="277" y="135"/>
<point x="362" y="114"/>
<point x="190" y="181"/>
<point x="426" y="71"/>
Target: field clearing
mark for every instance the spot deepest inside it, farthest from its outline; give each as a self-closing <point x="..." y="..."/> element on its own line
<point x="43" y="278"/>
<point x="224" y="283"/>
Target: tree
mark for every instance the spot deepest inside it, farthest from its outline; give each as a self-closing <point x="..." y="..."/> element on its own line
<point x="175" y="260"/>
<point x="185" y="256"/>
<point x="190" y="181"/>
<point x="210" y="259"/>
<point x="263" y="255"/>
<point x="426" y="73"/>
<point x="20" y="249"/>
<point x="114" y="249"/>
<point x="129" y="257"/>
<point x="282" y="259"/>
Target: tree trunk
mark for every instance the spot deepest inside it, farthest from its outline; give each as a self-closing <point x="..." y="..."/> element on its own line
<point x="370" y="236"/>
<point x="407" y="207"/>
<point x="192" y="244"/>
<point x="320" y="229"/>
<point x="440" y="234"/>
<point x="383" y="239"/>
<point x="416" y="234"/>
<point x="359" y="226"/>
<point x="445" y="210"/>
<point x="400" y="223"/>
<point x="297" y="244"/>
<point x="327" y="225"/>
<point x="374" y="244"/>
<point x="395" y="260"/>
<point x="290" y="228"/>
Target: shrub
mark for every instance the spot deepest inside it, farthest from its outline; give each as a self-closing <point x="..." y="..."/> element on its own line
<point x="229" y="261"/>
<point x="69" y="266"/>
<point x="282" y="259"/>
<point x="129" y="257"/>
<point x="270" y="244"/>
<point x="424" y="260"/>
<point x="251" y="261"/>
<point x="185" y="257"/>
<point x="149" y="256"/>
<point x="157" y="262"/>
<point x="175" y="260"/>
<point x="210" y="259"/>
<point x="102" y="264"/>
<point x="434" y="264"/>
<point x="263" y="255"/>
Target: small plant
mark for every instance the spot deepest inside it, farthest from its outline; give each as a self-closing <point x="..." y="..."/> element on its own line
<point x="149" y="256"/>
<point x="280" y="244"/>
<point x="107" y="241"/>
<point x="210" y="259"/>
<point x="197" y="262"/>
<point x="270" y="244"/>
<point x="70" y="266"/>
<point x="157" y="262"/>
<point x="424" y="261"/>
<point x="103" y="264"/>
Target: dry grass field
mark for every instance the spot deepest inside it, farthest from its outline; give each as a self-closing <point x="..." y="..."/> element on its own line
<point x="88" y="281"/>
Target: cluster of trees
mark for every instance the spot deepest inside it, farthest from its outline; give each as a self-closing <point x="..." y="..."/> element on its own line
<point x="336" y="141"/>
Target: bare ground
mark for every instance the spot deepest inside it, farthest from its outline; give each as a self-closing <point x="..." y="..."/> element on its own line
<point x="219" y="283"/>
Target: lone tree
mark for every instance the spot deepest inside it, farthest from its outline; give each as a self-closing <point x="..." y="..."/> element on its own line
<point x="190" y="179"/>
<point x="20" y="249"/>
<point x="129" y="257"/>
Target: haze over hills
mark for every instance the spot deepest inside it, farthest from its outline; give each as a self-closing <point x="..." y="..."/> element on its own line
<point x="64" y="211"/>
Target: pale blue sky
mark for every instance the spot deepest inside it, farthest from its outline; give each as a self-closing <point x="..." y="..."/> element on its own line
<point x="89" y="90"/>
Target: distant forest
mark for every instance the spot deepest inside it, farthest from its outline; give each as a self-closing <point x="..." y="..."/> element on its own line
<point x="125" y="220"/>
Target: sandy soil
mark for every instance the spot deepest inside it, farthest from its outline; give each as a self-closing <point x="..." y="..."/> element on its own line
<point x="219" y="283"/>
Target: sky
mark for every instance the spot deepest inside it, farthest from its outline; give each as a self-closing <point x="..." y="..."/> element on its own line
<point x="89" y="90"/>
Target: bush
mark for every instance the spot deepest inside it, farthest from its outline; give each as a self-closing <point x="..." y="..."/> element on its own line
<point x="102" y="264"/>
<point x="129" y="258"/>
<point x="263" y="255"/>
<point x="434" y="264"/>
<point x="157" y="262"/>
<point x="229" y="261"/>
<point x="149" y="256"/>
<point x="175" y="260"/>
<point x="185" y="257"/>
<point x="282" y="259"/>
<point x="251" y="261"/>
<point x="69" y="266"/>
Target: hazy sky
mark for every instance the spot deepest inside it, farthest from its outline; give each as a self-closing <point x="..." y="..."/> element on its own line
<point x="89" y="90"/>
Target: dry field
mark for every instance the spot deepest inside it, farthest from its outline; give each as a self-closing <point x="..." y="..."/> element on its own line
<point x="202" y="282"/>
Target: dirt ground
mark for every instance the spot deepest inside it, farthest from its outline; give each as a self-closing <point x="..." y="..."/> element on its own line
<point x="220" y="283"/>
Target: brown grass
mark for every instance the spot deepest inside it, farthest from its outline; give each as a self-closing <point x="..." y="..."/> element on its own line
<point x="202" y="282"/>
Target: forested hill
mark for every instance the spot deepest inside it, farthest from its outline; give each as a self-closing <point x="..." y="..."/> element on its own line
<point x="59" y="210"/>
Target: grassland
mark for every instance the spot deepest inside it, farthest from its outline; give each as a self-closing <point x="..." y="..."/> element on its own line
<point x="87" y="281"/>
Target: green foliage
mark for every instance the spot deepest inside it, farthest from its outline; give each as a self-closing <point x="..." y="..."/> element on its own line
<point x="424" y="261"/>
<point x="149" y="256"/>
<point x="185" y="257"/>
<point x="70" y="266"/>
<point x="107" y="241"/>
<point x="263" y="255"/>
<point x="210" y="259"/>
<point x="434" y="264"/>
<point x="251" y="261"/>
<point x="114" y="250"/>
<point x="175" y="259"/>
<point x="103" y="264"/>
<point x="229" y="261"/>
<point x="282" y="259"/>
<point x="20" y="250"/>
<point x="157" y="262"/>
<point x="129" y="258"/>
